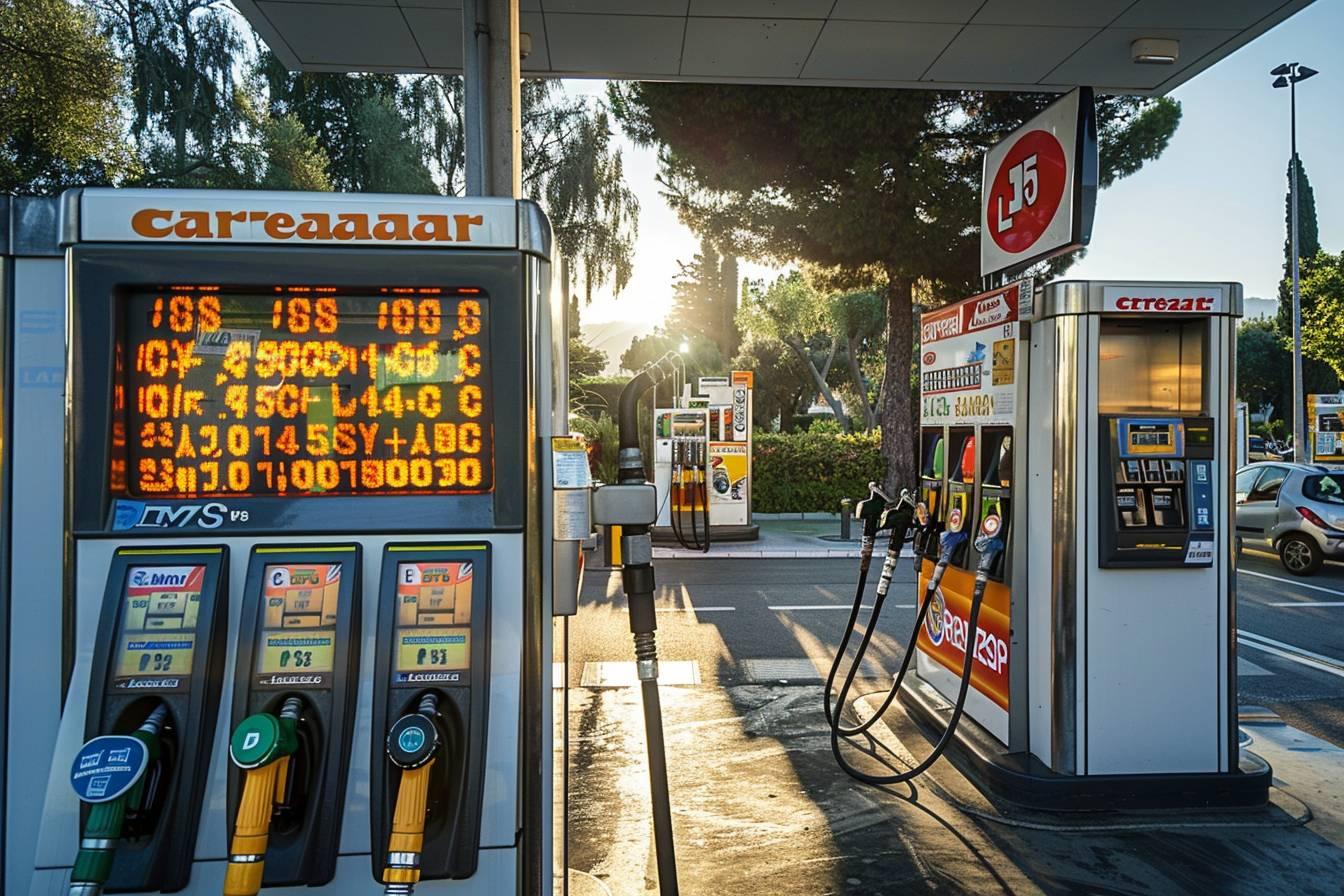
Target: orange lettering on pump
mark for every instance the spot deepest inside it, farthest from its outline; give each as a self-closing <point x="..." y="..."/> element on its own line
<point x="387" y="227"/>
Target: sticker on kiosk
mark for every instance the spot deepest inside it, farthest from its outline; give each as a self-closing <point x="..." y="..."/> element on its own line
<point x="433" y="632"/>
<point x="298" y="642"/>
<point x="157" y="633"/>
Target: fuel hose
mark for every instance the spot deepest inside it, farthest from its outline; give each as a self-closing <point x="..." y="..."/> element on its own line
<point x="989" y="547"/>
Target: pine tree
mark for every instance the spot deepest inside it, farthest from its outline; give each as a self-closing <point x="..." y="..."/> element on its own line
<point x="1308" y="243"/>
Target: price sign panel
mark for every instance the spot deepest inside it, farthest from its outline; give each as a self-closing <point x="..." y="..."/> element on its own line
<point x="303" y="391"/>
<point x="1038" y="191"/>
<point x="968" y="359"/>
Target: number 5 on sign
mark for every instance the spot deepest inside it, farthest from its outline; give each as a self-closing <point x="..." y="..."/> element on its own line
<point x="1026" y="186"/>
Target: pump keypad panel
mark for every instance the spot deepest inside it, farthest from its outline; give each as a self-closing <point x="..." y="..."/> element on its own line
<point x="303" y="391"/>
<point x="1158" y="474"/>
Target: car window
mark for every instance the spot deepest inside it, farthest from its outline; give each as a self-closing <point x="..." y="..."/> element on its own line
<point x="1245" y="482"/>
<point x="1267" y="487"/>
<point x="1328" y="488"/>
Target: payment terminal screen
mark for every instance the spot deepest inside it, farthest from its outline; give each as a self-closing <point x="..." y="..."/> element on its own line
<point x="303" y="391"/>
<point x="298" y="630"/>
<point x="157" y="636"/>
<point x="433" y="632"/>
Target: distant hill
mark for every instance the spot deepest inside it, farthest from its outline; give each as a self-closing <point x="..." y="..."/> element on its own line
<point x="1260" y="308"/>
<point x="614" y="337"/>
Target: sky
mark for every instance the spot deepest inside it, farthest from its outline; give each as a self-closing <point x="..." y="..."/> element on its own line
<point x="1210" y="208"/>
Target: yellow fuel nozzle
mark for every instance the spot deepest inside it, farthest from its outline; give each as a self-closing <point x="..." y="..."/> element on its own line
<point x="412" y="746"/>
<point x="261" y="745"/>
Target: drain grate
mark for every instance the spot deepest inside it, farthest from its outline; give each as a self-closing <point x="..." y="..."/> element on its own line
<point x="622" y="674"/>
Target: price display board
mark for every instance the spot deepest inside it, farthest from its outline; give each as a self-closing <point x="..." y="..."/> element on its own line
<point x="299" y="606"/>
<point x="302" y="391"/>
<point x="156" y="636"/>
<point x="433" y="628"/>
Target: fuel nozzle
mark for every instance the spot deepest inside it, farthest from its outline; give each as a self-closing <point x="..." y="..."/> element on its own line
<point x="109" y="775"/>
<point x="896" y="518"/>
<point x="989" y="544"/>
<point x="261" y="746"/>
<point x="869" y="512"/>
<point x="413" y="746"/>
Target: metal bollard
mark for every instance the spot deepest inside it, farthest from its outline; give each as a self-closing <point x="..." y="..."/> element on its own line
<point x="846" y="514"/>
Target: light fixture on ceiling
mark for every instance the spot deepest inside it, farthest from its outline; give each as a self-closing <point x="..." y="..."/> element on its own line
<point x="1155" y="51"/>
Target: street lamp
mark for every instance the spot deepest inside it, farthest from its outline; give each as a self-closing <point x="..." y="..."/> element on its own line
<point x="1287" y="75"/>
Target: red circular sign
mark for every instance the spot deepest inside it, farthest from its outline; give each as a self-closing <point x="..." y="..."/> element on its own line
<point x="1026" y="191"/>
<point x="930" y="357"/>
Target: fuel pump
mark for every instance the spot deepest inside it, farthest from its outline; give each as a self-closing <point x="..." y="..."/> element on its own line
<point x="689" y="486"/>
<point x="431" y="691"/>
<point x="294" y="693"/>
<point x="156" y="679"/>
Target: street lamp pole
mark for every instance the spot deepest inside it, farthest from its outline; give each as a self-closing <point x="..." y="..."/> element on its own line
<point x="1287" y="75"/>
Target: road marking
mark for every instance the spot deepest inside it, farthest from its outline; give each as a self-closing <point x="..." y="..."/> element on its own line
<point x="1307" y="603"/>
<point x="1265" y="575"/>
<point x="696" y="609"/>
<point x="1291" y="652"/>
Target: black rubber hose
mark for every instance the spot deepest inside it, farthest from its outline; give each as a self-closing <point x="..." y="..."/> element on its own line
<point x="988" y="551"/>
<point x="898" y="541"/>
<point x="663" y="842"/>
<point x="870" y="515"/>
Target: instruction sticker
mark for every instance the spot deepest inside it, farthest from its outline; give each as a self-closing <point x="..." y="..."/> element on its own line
<point x="569" y="462"/>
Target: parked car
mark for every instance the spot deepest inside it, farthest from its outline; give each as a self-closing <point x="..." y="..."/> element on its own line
<point x="1258" y="448"/>
<point x="1297" y="510"/>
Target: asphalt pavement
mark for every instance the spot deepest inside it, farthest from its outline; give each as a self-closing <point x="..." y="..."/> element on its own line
<point x="761" y="808"/>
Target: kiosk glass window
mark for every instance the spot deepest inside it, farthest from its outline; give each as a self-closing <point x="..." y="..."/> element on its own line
<point x="303" y="391"/>
<point x="1152" y="367"/>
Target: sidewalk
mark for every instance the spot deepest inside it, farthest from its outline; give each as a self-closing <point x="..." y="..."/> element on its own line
<point x="783" y="538"/>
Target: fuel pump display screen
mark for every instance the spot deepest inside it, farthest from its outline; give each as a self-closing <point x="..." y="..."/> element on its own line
<point x="303" y="391"/>
<point x="433" y="633"/>
<point x="156" y="639"/>
<point x="298" y="636"/>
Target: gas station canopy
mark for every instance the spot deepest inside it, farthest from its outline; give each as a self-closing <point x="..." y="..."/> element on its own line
<point x="1046" y="45"/>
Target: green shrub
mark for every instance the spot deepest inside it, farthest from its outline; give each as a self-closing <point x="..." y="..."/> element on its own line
<point x="603" y="444"/>
<point x="810" y="472"/>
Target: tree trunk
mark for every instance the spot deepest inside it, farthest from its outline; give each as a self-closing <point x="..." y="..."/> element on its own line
<point x="860" y="388"/>
<point x="819" y="379"/>
<point x="897" y="413"/>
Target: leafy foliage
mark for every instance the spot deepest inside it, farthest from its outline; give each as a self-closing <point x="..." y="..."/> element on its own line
<point x="1322" y="290"/>
<point x="604" y="444"/>
<point x="703" y="358"/>
<point x="59" y="82"/>
<point x="584" y="360"/>
<point x="705" y="299"/>
<point x="1265" y="360"/>
<point x="782" y="381"/>
<point x="810" y="472"/>
<point x="878" y="186"/>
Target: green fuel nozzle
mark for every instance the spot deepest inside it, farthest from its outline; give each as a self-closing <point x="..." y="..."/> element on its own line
<point x="107" y="817"/>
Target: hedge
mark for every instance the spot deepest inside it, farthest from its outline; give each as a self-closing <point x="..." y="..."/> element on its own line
<point x="810" y="472"/>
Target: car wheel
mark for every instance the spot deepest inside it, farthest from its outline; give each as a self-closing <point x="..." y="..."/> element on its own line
<point x="1301" y="555"/>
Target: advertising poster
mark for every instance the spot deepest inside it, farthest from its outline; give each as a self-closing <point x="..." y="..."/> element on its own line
<point x="943" y="640"/>
<point x="968" y="360"/>
<point x="729" y="483"/>
<point x="1325" y="421"/>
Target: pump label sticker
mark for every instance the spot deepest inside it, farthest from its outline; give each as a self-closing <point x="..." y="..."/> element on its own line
<point x="107" y="767"/>
<point x="968" y="360"/>
<point x="433" y="637"/>
<point x="299" y="607"/>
